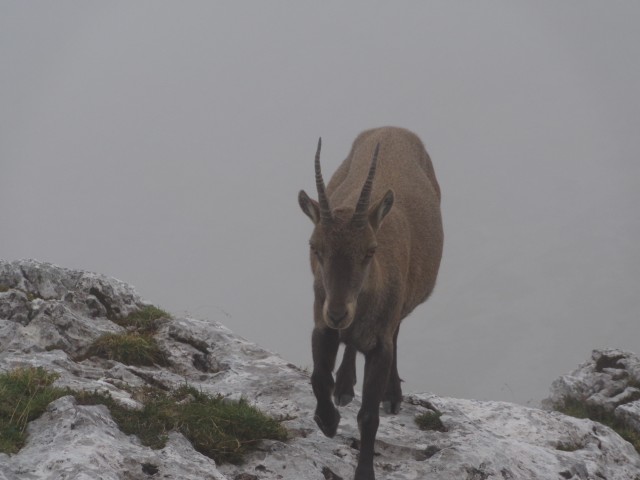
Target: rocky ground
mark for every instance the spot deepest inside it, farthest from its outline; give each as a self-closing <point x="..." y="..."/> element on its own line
<point x="49" y="315"/>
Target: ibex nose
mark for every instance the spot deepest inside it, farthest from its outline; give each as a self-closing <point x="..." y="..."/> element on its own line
<point x="336" y="316"/>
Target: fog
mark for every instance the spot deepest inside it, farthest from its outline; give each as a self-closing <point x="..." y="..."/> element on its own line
<point x="164" y="143"/>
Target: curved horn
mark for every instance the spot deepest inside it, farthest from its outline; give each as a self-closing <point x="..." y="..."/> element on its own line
<point x="362" y="207"/>
<point x="325" y="210"/>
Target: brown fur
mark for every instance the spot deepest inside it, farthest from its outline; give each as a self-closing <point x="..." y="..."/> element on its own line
<point x="368" y="278"/>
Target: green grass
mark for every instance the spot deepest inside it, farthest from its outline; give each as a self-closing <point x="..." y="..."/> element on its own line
<point x="225" y="430"/>
<point x="130" y="348"/>
<point x="221" y="429"/>
<point x="136" y="346"/>
<point x="217" y="428"/>
<point x="24" y="396"/>
<point x="144" y="320"/>
<point x="430" y="421"/>
<point x="580" y="409"/>
<point x="148" y="424"/>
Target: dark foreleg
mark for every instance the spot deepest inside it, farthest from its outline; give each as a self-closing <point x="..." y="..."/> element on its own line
<point x="324" y="344"/>
<point x="376" y="372"/>
<point x="392" y="399"/>
<point x="346" y="377"/>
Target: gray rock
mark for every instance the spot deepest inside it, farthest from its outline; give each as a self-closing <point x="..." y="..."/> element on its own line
<point x="83" y="442"/>
<point x="609" y="380"/>
<point x="15" y="306"/>
<point x="66" y="309"/>
<point x="57" y="308"/>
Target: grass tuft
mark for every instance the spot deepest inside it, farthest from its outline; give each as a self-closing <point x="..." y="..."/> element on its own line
<point x="430" y="421"/>
<point x="148" y="424"/>
<point x="144" y="320"/>
<point x="217" y="428"/>
<point x="136" y="346"/>
<point x="224" y="430"/>
<point x="130" y="348"/>
<point x="24" y="396"/>
<point x="221" y="429"/>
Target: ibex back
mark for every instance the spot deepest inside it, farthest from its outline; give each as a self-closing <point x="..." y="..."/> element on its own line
<point x="375" y="254"/>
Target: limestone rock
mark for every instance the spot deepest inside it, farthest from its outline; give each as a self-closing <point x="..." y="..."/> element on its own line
<point x="83" y="442"/>
<point x="57" y="308"/>
<point x="49" y="314"/>
<point x="609" y="380"/>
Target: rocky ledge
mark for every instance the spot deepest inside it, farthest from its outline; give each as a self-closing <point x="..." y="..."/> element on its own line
<point x="50" y="315"/>
<point x="608" y="384"/>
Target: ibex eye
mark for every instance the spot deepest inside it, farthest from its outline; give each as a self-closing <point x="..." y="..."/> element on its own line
<point x="316" y="253"/>
<point x="370" y="253"/>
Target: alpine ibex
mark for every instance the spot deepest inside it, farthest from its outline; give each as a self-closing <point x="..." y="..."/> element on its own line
<point x="372" y="265"/>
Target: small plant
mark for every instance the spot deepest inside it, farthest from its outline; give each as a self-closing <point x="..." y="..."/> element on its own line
<point x="580" y="409"/>
<point x="568" y="447"/>
<point x="148" y="424"/>
<point x="144" y="320"/>
<point x="218" y="428"/>
<point x="136" y="346"/>
<point x="222" y="430"/>
<point x="130" y="348"/>
<point x="430" y="421"/>
<point x="24" y="396"/>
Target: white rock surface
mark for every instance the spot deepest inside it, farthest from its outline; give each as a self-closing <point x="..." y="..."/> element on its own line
<point x="49" y="314"/>
<point x="83" y="442"/>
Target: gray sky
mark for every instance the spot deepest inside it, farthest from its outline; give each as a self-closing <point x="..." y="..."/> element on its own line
<point x="164" y="143"/>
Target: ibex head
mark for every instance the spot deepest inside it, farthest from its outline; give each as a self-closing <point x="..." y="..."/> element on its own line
<point x="343" y="245"/>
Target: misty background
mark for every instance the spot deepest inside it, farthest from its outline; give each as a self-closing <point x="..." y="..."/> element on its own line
<point x="164" y="144"/>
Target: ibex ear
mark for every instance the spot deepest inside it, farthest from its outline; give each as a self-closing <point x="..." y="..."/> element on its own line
<point x="380" y="209"/>
<point x="309" y="207"/>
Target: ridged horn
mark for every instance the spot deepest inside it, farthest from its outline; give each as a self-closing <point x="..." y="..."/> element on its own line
<point x="323" y="201"/>
<point x="362" y="207"/>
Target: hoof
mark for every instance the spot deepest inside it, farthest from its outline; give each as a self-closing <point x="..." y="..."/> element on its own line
<point x="328" y="422"/>
<point x="343" y="400"/>
<point x="390" y="407"/>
